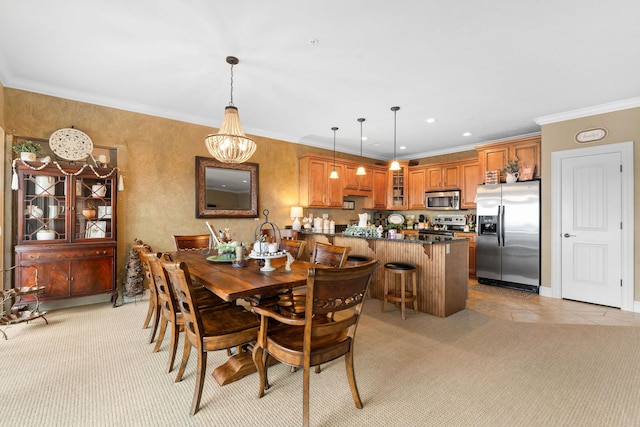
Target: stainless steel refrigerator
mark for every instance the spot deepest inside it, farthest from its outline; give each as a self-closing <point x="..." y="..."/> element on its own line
<point x="508" y="240"/>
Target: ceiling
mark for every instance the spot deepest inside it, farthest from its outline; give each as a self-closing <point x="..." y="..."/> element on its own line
<point x="485" y="67"/>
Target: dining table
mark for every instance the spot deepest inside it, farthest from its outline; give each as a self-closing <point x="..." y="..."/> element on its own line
<point x="248" y="283"/>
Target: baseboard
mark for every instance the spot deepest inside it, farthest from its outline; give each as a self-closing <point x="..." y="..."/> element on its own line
<point x="545" y="291"/>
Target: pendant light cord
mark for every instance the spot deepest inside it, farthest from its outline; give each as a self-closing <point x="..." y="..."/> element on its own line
<point x="334" y="129"/>
<point x="231" y="101"/>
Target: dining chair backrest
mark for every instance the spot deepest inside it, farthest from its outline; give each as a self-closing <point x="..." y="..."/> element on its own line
<point x="330" y="255"/>
<point x="294" y="247"/>
<point x="165" y="293"/>
<point x="196" y="242"/>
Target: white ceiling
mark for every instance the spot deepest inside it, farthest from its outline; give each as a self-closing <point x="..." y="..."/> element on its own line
<point x="486" y="67"/>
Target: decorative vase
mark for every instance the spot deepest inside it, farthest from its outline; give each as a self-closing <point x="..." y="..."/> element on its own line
<point x="512" y="177"/>
<point x="98" y="191"/>
<point x="89" y="213"/>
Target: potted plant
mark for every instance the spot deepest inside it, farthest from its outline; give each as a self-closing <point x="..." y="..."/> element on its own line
<point x="89" y="211"/>
<point x="511" y="170"/>
<point x="28" y="150"/>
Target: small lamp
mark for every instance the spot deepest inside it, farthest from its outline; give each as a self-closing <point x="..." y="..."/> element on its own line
<point x="296" y="212"/>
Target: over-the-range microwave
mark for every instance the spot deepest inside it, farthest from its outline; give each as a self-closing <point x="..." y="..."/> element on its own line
<point x="443" y="200"/>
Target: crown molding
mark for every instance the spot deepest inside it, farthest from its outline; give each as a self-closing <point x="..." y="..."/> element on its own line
<point x="589" y="111"/>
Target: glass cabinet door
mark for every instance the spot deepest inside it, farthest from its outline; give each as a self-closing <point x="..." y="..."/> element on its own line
<point x="93" y="208"/>
<point x="43" y="207"/>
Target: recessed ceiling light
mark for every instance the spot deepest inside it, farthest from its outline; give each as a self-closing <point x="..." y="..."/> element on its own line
<point x="375" y="144"/>
<point x="466" y="134"/>
<point x="364" y="138"/>
<point x="402" y="147"/>
<point x="430" y="120"/>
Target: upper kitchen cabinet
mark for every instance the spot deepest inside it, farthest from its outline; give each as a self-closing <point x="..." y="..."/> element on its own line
<point x="398" y="196"/>
<point x="379" y="188"/>
<point x="316" y="189"/>
<point x="313" y="182"/>
<point x="469" y="180"/>
<point x="443" y="177"/>
<point x="357" y="185"/>
<point x="495" y="156"/>
<point x="417" y="188"/>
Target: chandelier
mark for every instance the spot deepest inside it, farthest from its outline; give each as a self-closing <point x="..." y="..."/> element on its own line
<point x="230" y="144"/>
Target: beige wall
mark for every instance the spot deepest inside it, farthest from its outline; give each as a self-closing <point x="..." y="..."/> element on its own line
<point x="623" y="126"/>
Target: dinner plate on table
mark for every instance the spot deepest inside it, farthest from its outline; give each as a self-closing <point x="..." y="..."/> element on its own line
<point x="395" y="218"/>
<point x="220" y="258"/>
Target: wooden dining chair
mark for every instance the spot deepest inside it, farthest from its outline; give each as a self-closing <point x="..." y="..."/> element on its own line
<point x="170" y="312"/>
<point x="330" y="255"/>
<point x="207" y="330"/>
<point x="191" y="243"/>
<point x="316" y="337"/>
<point x="154" y="309"/>
<point x="294" y="247"/>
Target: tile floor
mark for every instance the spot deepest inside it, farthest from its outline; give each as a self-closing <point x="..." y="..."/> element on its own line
<point x="547" y="310"/>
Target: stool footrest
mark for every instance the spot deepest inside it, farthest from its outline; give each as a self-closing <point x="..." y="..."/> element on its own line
<point x="408" y="297"/>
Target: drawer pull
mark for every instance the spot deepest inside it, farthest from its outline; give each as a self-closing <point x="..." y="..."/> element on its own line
<point x="104" y="252"/>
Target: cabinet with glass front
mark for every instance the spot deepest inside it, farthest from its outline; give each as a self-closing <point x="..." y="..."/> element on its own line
<point x="66" y="226"/>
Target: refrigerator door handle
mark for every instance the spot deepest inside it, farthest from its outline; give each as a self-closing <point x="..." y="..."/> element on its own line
<point x="499" y="226"/>
<point x="502" y="225"/>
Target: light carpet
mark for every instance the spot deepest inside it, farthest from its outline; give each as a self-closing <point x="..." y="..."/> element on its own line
<point x="91" y="366"/>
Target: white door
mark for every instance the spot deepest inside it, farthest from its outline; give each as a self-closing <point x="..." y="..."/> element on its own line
<point x="591" y="235"/>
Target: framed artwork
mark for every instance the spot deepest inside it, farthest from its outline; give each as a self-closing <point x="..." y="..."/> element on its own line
<point x="348" y="205"/>
<point x="96" y="229"/>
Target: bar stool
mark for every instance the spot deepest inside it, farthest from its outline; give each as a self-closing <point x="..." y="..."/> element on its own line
<point x="403" y="269"/>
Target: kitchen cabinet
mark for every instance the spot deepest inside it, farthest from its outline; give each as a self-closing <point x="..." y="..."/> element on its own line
<point x="316" y="189"/>
<point x="469" y="180"/>
<point x="357" y="185"/>
<point x="472" y="250"/>
<point x="313" y="182"/>
<point x="379" y="188"/>
<point x="398" y="197"/>
<point x="335" y="187"/>
<point x="443" y="177"/>
<point x="495" y="156"/>
<point x="417" y="188"/>
<point x="66" y="226"/>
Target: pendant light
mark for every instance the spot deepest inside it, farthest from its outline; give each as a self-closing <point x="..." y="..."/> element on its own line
<point x="395" y="166"/>
<point x="334" y="173"/>
<point x="230" y="144"/>
<point x="361" y="170"/>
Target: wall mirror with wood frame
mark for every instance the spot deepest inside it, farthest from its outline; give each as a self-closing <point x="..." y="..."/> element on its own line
<point x="226" y="190"/>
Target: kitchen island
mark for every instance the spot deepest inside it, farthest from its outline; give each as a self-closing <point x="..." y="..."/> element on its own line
<point x="442" y="263"/>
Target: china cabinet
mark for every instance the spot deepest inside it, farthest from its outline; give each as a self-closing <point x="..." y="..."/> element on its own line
<point x="66" y="227"/>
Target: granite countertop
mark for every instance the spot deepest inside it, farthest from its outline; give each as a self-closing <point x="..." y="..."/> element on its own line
<point x="421" y="239"/>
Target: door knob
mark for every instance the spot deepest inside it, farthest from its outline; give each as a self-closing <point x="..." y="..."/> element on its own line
<point x="569" y="235"/>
